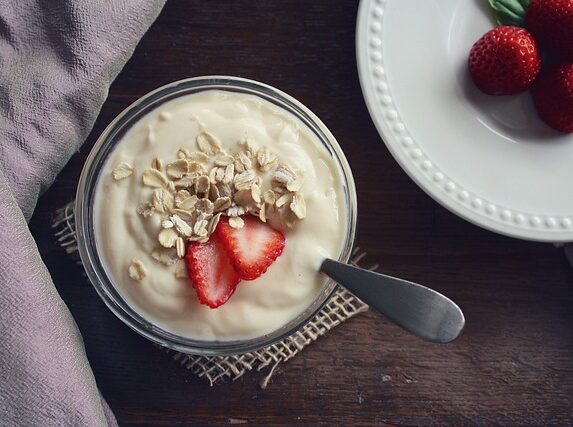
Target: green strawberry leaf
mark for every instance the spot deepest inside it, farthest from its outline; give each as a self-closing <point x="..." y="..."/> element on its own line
<point x="509" y="12"/>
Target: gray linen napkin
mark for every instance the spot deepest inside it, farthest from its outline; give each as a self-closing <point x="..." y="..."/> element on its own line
<point x="57" y="60"/>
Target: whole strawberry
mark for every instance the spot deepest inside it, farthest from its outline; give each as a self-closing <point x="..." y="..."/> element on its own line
<point x="551" y="23"/>
<point x="553" y="97"/>
<point x="504" y="61"/>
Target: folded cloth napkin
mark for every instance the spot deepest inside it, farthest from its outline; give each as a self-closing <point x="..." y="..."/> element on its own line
<point x="57" y="60"/>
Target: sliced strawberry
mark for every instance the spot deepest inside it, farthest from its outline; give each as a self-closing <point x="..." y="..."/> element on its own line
<point x="252" y="248"/>
<point x="211" y="272"/>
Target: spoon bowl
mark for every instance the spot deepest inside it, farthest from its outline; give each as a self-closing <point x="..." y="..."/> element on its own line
<point x="415" y="308"/>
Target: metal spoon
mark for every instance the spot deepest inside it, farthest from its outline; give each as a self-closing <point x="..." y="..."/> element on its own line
<point x="416" y="308"/>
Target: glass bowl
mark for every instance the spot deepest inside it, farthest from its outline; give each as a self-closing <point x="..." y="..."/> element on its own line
<point x="85" y="217"/>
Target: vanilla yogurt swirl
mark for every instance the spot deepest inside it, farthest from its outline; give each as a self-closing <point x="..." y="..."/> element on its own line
<point x="290" y="284"/>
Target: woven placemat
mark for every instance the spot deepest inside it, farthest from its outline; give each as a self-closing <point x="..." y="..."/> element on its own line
<point x="341" y="307"/>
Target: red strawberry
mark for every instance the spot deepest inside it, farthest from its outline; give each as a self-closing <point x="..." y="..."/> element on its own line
<point x="211" y="272"/>
<point x="504" y="61"/>
<point x="252" y="248"/>
<point x="553" y="97"/>
<point x="551" y="23"/>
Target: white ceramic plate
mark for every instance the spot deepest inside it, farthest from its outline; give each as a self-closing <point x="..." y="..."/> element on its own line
<point x="488" y="159"/>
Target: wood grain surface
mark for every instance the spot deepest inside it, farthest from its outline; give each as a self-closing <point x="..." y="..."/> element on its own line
<point x="513" y="365"/>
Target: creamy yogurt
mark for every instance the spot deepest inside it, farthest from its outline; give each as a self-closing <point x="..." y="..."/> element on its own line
<point x="290" y="284"/>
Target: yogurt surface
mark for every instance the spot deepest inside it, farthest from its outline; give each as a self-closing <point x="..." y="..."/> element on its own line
<point x="290" y="284"/>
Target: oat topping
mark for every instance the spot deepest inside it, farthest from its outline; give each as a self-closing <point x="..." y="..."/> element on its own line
<point x="283" y="174"/>
<point x="237" y="222"/>
<point x="294" y="185"/>
<point x="256" y="193"/>
<point x="229" y="174"/>
<point x="235" y="211"/>
<point x="167" y="237"/>
<point x="178" y="168"/>
<point x="270" y="197"/>
<point x="222" y="204"/>
<point x="157" y="164"/>
<point x="196" y="156"/>
<point x="145" y="209"/>
<point x="239" y="167"/>
<point x="224" y="160"/>
<point x="183" y="153"/>
<point x="168" y="201"/>
<point x="244" y="180"/>
<point x="208" y="144"/>
<point x="157" y="200"/>
<point x="164" y="256"/>
<point x="245" y="160"/>
<point x="192" y="192"/>
<point x="263" y="213"/>
<point x="185" y="215"/>
<point x="225" y="190"/>
<point x="137" y="270"/>
<point x="180" y="245"/>
<point x="185" y="182"/>
<point x="202" y="185"/>
<point x="123" y="170"/>
<point x="213" y="223"/>
<point x="205" y="206"/>
<point x="166" y="223"/>
<point x="188" y="203"/>
<point x="298" y="206"/>
<point x="181" y="226"/>
<point x="180" y="196"/>
<point x="181" y="271"/>
<point x="250" y="146"/>
<point x="282" y="200"/>
<point x="200" y="228"/>
<point x="154" y="178"/>
<point x="243" y="197"/>
<point x="214" y="193"/>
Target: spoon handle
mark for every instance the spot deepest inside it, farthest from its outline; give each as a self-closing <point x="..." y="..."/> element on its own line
<point x="416" y="308"/>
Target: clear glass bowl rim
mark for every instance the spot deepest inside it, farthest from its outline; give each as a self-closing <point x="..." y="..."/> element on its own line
<point x="86" y="190"/>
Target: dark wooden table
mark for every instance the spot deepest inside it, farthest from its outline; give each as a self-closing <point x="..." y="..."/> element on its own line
<point x="512" y="365"/>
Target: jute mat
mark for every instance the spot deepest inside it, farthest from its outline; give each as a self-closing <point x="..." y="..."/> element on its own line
<point x="341" y="307"/>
